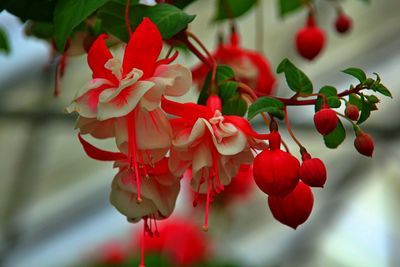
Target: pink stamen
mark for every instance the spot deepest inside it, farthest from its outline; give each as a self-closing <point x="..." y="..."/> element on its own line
<point x="205" y="226"/>
<point x="132" y="151"/>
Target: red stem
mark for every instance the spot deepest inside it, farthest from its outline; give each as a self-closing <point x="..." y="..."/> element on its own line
<point x="128" y="25"/>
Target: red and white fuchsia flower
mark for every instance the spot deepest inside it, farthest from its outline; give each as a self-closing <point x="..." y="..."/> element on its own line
<point x="211" y="144"/>
<point x="250" y="67"/>
<point x="159" y="191"/>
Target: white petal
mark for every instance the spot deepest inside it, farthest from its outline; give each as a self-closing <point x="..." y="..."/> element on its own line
<point x="112" y="105"/>
<point x="181" y="78"/>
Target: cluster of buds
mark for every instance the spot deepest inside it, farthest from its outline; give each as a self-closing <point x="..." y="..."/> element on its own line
<point x="287" y="182"/>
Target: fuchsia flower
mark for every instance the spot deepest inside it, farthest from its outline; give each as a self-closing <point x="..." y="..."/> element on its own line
<point x="250" y="67"/>
<point x="212" y="145"/>
<point x="159" y="188"/>
<point x="123" y="98"/>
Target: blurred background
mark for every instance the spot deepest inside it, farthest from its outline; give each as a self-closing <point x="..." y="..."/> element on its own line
<point x="54" y="208"/>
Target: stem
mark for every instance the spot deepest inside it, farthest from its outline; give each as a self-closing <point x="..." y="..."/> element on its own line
<point x="210" y="57"/>
<point x="290" y="129"/>
<point x="171" y="48"/>
<point x="195" y="51"/>
<point x="295" y="102"/>
<point x="128" y="25"/>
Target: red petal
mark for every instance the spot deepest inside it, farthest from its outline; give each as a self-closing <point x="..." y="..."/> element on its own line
<point x="99" y="154"/>
<point x="143" y="49"/>
<point x="189" y="111"/>
<point x="98" y="56"/>
<point x="245" y="126"/>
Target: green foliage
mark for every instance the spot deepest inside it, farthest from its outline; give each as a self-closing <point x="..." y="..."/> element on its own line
<point x="4" y="45"/>
<point x="356" y="73"/>
<point x="266" y="104"/>
<point x="169" y="19"/>
<point x="296" y="79"/>
<point x="40" y="10"/>
<point x="232" y="103"/>
<point x="335" y="138"/>
<point x="330" y="93"/>
<point x="289" y="6"/>
<point x="70" y="13"/>
<point x="226" y="9"/>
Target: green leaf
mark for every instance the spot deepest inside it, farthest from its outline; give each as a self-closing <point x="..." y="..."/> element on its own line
<point x="331" y="95"/>
<point x="4" y="45"/>
<point x="355" y="100"/>
<point x="366" y="108"/>
<point x="70" y="13"/>
<point x="380" y="88"/>
<point x="41" y="10"/>
<point x="228" y="90"/>
<point x="335" y="138"/>
<point x="372" y="99"/>
<point x="266" y="104"/>
<point x="295" y="78"/>
<point x="169" y="19"/>
<point x="356" y="73"/>
<point x="288" y="6"/>
<point x="223" y="74"/>
<point x="234" y="106"/>
<point x="232" y="8"/>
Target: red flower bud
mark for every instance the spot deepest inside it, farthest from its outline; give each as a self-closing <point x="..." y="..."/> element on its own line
<point x="310" y="40"/>
<point x="343" y="23"/>
<point x="275" y="171"/>
<point x="312" y="171"/>
<point x="214" y="103"/>
<point x="351" y="112"/>
<point x="293" y="209"/>
<point x="325" y="120"/>
<point x="364" y="144"/>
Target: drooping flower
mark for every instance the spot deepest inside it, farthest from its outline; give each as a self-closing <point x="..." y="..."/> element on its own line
<point x="159" y="188"/>
<point x="250" y="67"/>
<point x="275" y="171"/>
<point x="293" y="209"/>
<point x="212" y="145"/>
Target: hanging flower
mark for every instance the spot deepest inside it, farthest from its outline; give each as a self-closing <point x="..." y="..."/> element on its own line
<point x="159" y="191"/>
<point x="250" y="67"/>
<point x="129" y="92"/>
<point x="154" y="199"/>
<point x="212" y="145"/>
